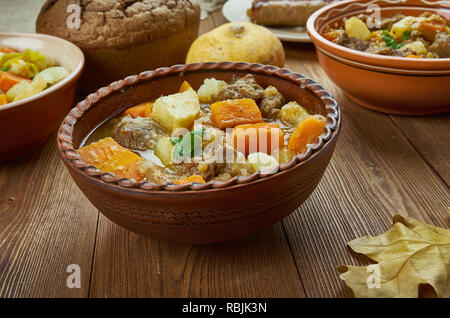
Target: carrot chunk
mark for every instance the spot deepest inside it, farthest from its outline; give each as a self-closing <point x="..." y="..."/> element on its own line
<point x="185" y="86"/>
<point x="108" y="156"/>
<point x="194" y="178"/>
<point x="230" y="113"/>
<point x="7" y="50"/>
<point x="137" y="111"/>
<point x="261" y="137"/>
<point x="307" y="132"/>
<point x="429" y="29"/>
<point x="3" y="99"/>
<point x="8" y="80"/>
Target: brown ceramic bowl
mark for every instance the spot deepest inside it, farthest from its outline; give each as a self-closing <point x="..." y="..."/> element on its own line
<point x="198" y="213"/>
<point x="26" y="124"/>
<point x="394" y="85"/>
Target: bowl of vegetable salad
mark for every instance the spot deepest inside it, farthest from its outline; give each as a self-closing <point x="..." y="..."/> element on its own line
<point x="38" y="79"/>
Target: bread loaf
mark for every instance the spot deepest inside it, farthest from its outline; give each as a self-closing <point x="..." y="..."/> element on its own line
<point x="121" y="38"/>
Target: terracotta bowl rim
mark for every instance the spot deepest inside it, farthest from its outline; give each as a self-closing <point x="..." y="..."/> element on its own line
<point x="441" y="65"/>
<point x="74" y="75"/>
<point x="72" y="159"/>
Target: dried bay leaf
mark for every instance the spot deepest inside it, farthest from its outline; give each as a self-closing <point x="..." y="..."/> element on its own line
<point x="409" y="255"/>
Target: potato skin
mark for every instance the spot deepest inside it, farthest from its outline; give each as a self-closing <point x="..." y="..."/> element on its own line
<point x="238" y="42"/>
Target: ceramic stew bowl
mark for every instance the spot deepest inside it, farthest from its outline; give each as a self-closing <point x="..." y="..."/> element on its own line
<point x="26" y="124"/>
<point x="394" y="85"/>
<point x="198" y="213"/>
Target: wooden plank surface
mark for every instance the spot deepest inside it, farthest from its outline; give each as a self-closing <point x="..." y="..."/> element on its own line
<point x="430" y="136"/>
<point x="374" y="174"/>
<point x="383" y="165"/>
<point x="259" y="266"/>
<point x="45" y="226"/>
<point x="129" y="265"/>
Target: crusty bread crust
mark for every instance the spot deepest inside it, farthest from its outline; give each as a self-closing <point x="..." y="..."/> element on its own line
<point x="105" y="65"/>
<point x="284" y="13"/>
<point x="126" y="37"/>
<point x="118" y="24"/>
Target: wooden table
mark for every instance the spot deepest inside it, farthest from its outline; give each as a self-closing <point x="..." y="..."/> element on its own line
<point x="383" y="165"/>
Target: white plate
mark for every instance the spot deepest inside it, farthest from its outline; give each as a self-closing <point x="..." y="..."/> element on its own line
<point x="236" y="11"/>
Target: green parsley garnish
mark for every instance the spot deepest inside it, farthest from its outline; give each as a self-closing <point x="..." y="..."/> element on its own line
<point x="406" y="35"/>
<point x="189" y="145"/>
<point x="390" y="40"/>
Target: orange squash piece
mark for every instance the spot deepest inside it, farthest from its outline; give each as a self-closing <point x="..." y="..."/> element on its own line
<point x="108" y="156"/>
<point x="230" y="113"/>
<point x="261" y="137"/>
<point x="307" y="132"/>
<point x="136" y="111"/>
<point x="8" y="80"/>
<point x="3" y="99"/>
<point x="194" y="178"/>
<point x="185" y="86"/>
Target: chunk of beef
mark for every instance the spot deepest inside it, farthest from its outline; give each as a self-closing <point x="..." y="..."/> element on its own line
<point x="160" y="175"/>
<point x="341" y="38"/>
<point x="271" y="102"/>
<point x="375" y="48"/>
<point x="220" y="159"/>
<point x="416" y="34"/>
<point x="356" y="44"/>
<point x="441" y="45"/>
<point x="140" y="133"/>
<point x="245" y="87"/>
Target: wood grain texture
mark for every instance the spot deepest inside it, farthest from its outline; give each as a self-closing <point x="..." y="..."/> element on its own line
<point x="129" y="265"/>
<point x="383" y="165"/>
<point x="375" y="173"/>
<point x="45" y="225"/>
<point x="430" y="136"/>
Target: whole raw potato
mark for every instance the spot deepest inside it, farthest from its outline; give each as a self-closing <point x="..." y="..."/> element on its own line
<point x="238" y="42"/>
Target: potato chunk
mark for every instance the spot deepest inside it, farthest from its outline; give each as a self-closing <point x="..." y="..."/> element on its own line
<point x="230" y="113"/>
<point x="408" y="23"/>
<point x="177" y="110"/>
<point x="417" y="47"/>
<point x="355" y="28"/>
<point x="283" y="155"/>
<point x="262" y="162"/>
<point x="209" y="89"/>
<point x="163" y="151"/>
<point x="292" y="113"/>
